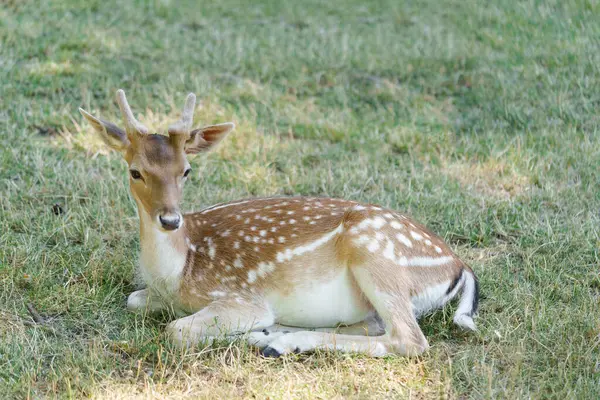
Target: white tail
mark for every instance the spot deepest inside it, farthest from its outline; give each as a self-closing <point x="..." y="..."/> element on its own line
<point x="468" y="302"/>
<point x="357" y="275"/>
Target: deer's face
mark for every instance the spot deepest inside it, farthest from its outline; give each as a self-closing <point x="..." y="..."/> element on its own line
<point x="158" y="165"/>
<point x="158" y="169"/>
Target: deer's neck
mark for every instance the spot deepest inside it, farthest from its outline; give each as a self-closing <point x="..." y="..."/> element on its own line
<point x="162" y="255"/>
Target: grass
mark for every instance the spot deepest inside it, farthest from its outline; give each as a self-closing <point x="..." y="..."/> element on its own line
<point x="479" y="119"/>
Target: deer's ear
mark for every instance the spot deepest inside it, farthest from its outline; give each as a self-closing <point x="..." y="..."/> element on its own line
<point x="206" y="138"/>
<point x="112" y="135"/>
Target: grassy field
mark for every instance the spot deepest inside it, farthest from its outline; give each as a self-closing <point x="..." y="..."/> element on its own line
<point x="480" y="120"/>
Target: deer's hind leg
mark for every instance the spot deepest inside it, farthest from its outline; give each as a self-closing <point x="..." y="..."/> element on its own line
<point x="393" y="304"/>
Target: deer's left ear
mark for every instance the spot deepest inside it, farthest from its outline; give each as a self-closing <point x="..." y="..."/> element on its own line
<point x="206" y="138"/>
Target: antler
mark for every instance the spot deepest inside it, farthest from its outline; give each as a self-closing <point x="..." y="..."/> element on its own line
<point x="184" y="125"/>
<point x="132" y="125"/>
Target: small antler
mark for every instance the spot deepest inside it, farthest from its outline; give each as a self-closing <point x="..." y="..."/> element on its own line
<point x="184" y="125"/>
<point x="132" y="125"/>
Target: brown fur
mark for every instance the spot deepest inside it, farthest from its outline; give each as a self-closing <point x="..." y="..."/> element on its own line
<point x="243" y="225"/>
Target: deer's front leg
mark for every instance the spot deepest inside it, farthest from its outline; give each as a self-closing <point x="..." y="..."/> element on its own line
<point x="219" y="319"/>
<point x="144" y="301"/>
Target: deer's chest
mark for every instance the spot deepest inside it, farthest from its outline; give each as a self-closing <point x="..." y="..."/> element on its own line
<point x="161" y="264"/>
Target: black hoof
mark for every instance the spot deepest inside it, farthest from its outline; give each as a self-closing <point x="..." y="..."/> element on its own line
<point x="270" y="352"/>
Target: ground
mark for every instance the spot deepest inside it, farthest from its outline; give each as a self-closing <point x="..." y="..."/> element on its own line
<point x="480" y="119"/>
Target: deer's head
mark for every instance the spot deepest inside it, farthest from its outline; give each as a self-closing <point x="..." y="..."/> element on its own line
<point x="158" y="165"/>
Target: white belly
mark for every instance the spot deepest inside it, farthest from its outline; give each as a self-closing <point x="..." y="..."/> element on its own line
<point x="321" y="303"/>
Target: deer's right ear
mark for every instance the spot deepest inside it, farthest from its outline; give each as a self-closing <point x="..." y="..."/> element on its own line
<point x="112" y="135"/>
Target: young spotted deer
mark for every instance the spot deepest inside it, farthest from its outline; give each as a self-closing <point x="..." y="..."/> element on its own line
<point x="294" y="274"/>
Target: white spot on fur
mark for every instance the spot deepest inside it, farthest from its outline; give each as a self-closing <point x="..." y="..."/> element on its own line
<point x="265" y="268"/>
<point x="217" y="294"/>
<point x="416" y="235"/>
<point x="379" y="235"/>
<point x="281" y="239"/>
<point x="396" y="225"/>
<point x="238" y="263"/>
<point x="376" y="223"/>
<point x="359" y="208"/>
<point x="212" y="249"/>
<point x="404" y="240"/>
<point x="428" y="242"/>
<point x="373" y="246"/>
<point x="252" y="276"/>
<point x="389" y="250"/>
<point x="402" y="261"/>
<point x="263" y="233"/>
<point x="292" y="221"/>
<point x="437" y="248"/>
<point x="236" y="245"/>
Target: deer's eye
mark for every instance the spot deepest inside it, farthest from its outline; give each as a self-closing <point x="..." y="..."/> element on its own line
<point x="187" y="172"/>
<point x="135" y="174"/>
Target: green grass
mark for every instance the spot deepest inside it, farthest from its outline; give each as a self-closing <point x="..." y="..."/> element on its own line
<point x="481" y="120"/>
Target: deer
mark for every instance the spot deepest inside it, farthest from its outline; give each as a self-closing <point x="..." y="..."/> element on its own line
<point x="288" y="274"/>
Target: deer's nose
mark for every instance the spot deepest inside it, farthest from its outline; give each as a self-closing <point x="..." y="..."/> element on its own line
<point x="170" y="221"/>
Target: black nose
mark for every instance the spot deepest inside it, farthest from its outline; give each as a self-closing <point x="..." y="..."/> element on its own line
<point x="170" y="222"/>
